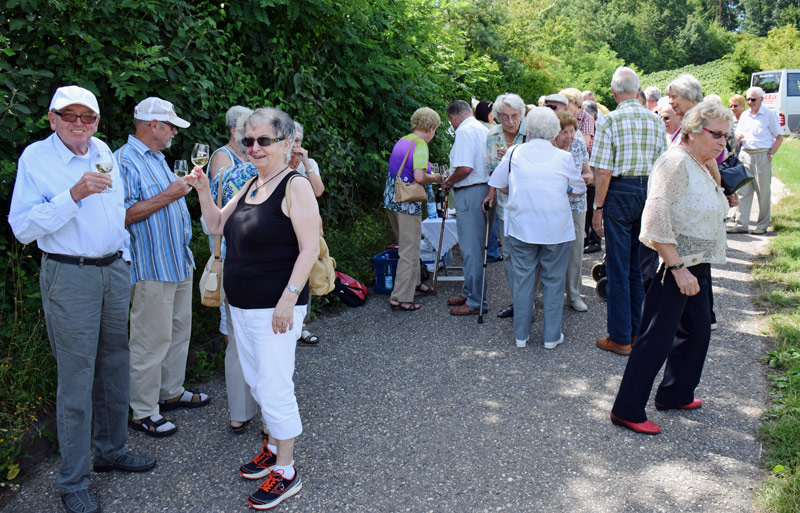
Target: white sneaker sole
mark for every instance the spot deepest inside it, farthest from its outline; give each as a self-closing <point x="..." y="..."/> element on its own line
<point x="552" y="345"/>
<point x="257" y="475"/>
<point x="289" y="493"/>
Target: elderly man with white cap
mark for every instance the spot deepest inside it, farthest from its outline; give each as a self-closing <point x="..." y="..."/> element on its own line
<point x="58" y="201"/>
<point x="161" y="270"/>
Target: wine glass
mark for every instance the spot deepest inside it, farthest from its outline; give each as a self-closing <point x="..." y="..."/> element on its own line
<point x="103" y="162"/>
<point x="200" y="155"/>
<point x="181" y="168"/>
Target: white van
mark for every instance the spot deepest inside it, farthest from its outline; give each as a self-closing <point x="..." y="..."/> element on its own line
<point x="781" y="95"/>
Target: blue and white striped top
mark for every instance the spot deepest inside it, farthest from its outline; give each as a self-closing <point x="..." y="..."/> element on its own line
<point x="160" y="243"/>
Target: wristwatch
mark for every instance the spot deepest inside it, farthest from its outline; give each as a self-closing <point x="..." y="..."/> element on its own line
<point x="294" y="290"/>
<point x="594" y="205"/>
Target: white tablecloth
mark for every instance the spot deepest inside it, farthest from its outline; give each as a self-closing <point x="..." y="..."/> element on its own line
<point x="431" y="229"/>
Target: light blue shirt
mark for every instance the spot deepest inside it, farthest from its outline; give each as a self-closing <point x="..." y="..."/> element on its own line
<point x="42" y="208"/>
<point x="159" y="243"/>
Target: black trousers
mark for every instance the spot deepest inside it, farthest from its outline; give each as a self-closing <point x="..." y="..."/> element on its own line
<point x="675" y="329"/>
<point x="591" y="236"/>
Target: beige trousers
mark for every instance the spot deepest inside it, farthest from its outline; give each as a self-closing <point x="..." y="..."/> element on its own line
<point x="408" y="230"/>
<point x="760" y="167"/>
<point x="161" y="326"/>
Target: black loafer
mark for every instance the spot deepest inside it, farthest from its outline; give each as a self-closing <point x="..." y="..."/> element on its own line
<point x="127" y="462"/>
<point x="80" y="501"/>
<point x="506" y="312"/>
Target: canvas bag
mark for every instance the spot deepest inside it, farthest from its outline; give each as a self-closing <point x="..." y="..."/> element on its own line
<point x="323" y="275"/>
<point x="405" y="191"/>
<point x="211" y="293"/>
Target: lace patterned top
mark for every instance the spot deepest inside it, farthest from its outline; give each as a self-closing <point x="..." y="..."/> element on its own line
<point x="685" y="207"/>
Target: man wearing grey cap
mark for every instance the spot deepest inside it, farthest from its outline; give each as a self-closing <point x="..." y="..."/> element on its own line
<point x="161" y="270"/>
<point x="76" y="216"/>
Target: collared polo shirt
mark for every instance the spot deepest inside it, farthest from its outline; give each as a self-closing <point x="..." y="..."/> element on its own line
<point x="759" y="130"/>
<point x="495" y="140"/>
<point x="159" y="243"/>
<point x="469" y="150"/>
<point x="42" y="208"/>
<point x="628" y="141"/>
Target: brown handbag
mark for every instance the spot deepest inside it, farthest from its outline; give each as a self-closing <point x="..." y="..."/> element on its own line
<point x="211" y="293"/>
<point x="408" y="192"/>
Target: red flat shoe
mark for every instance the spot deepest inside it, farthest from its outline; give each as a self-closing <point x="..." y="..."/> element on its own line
<point x="646" y="427"/>
<point x="691" y="406"/>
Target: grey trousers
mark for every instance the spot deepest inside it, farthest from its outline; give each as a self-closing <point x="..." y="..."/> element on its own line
<point x="548" y="262"/>
<point x="507" y="262"/>
<point x="86" y="311"/>
<point x="471" y="225"/>
<point x="241" y="405"/>
<point x="575" y="258"/>
<point x="760" y="167"/>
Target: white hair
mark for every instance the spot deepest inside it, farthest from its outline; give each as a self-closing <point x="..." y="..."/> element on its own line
<point x="652" y="93"/>
<point x="234" y="113"/>
<point x="699" y="116"/>
<point x="542" y="123"/>
<point x="663" y="103"/>
<point x="712" y="98"/>
<point x="298" y="130"/>
<point x="510" y="99"/>
<point x="688" y="86"/>
<point x="625" y="80"/>
<point x="757" y="90"/>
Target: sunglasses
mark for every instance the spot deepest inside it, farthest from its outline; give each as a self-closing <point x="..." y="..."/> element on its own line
<point x="666" y="118"/>
<point x="554" y="107"/>
<point x="751" y="100"/>
<point x="69" y="117"/>
<point x="170" y="125"/>
<point x="248" y="142"/>
<point x="716" y="135"/>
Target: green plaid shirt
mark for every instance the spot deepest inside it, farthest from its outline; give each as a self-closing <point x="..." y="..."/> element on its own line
<point x="628" y="141"/>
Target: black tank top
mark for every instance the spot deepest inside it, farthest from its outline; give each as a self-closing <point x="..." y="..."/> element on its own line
<point x="261" y="251"/>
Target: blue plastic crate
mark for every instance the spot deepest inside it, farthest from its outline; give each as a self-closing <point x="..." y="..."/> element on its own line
<point x="385" y="264"/>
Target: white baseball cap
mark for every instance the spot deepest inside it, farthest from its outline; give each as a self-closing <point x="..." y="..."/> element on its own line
<point x="558" y="98"/>
<point x="160" y="110"/>
<point x="74" y="95"/>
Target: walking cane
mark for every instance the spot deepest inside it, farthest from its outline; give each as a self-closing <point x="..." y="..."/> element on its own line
<point x="439" y="249"/>
<point x="489" y="220"/>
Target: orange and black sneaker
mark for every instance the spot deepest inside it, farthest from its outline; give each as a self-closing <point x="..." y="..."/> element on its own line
<point x="261" y="464"/>
<point x="275" y="490"/>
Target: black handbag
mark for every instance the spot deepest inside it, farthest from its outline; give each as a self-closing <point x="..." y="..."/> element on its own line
<point x="734" y="175"/>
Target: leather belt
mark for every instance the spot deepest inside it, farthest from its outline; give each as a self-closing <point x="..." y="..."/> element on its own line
<point x="73" y="260"/>
<point x="762" y="150"/>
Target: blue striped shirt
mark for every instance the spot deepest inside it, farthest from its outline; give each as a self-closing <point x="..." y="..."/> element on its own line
<point x="159" y="243"/>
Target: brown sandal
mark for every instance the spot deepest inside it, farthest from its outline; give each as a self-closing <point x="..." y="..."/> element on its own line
<point x="427" y="290"/>
<point x="406" y="307"/>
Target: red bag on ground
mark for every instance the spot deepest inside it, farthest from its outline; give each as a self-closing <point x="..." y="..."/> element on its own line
<point x="349" y="290"/>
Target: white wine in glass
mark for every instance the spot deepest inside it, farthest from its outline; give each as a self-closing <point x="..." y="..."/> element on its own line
<point x="103" y="162"/>
<point x="181" y="168"/>
<point x="200" y="155"/>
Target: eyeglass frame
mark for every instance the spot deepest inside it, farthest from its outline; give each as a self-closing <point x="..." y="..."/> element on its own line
<point x="716" y="135"/>
<point x="259" y="140"/>
<point x="81" y="116"/>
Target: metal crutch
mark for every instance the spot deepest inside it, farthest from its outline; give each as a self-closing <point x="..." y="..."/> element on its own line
<point x="439" y="250"/>
<point x="489" y="220"/>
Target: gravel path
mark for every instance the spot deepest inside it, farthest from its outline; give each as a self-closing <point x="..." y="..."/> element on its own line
<point x="424" y="412"/>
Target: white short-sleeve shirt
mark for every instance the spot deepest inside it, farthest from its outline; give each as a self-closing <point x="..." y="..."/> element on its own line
<point x="469" y="150"/>
<point x="759" y="130"/>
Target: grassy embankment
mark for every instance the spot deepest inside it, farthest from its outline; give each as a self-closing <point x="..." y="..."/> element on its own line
<point x="777" y="275"/>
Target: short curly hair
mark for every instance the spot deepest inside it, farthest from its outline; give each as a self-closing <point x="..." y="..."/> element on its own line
<point x="424" y="119"/>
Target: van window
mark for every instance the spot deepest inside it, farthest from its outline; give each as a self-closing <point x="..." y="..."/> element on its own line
<point x="793" y="84"/>
<point x="769" y="82"/>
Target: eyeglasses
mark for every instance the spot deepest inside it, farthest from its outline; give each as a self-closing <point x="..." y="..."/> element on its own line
<point x="554" y="107"/>
<point x="248" y="142"/>
<point x="666" y="118"/>
<point x="506" y="117"/>
<point x="716" y="135"/>
<point x="751" y="100"/>
<point x="169" y="125"/>
<point x="69" y="117"/>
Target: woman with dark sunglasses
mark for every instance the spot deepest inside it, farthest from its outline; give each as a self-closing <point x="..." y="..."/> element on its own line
<point x="683" y="220"/>
<point x="270" y="252"/>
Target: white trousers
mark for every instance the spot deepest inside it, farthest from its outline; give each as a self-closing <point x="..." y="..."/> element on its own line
<point x="267" y="360"/>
